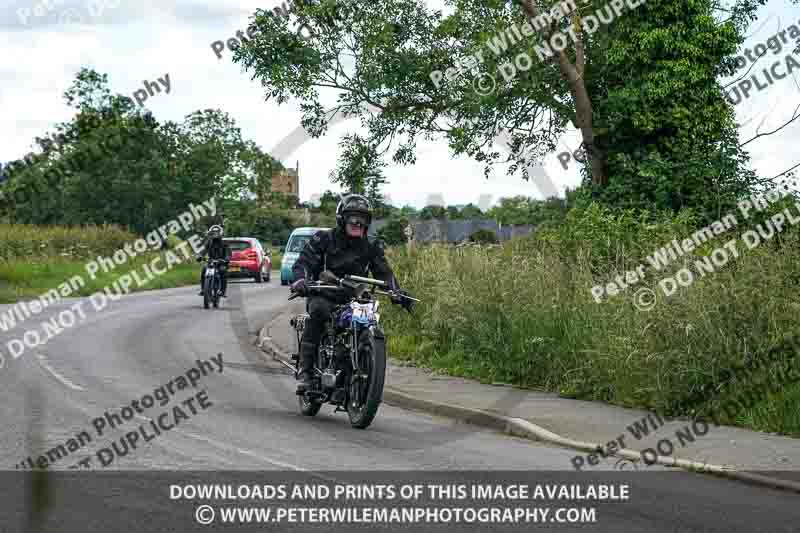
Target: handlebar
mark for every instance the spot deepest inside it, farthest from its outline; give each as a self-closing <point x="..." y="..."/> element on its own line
<point x="316" y="287"/>
<point x="345" y="282"/>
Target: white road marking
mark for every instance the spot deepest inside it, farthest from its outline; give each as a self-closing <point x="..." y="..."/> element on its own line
<point x="244" y="452"/>
<point x="259" y="457"/>
<point x="64" y="381"/>
<point x="228" y="447"/>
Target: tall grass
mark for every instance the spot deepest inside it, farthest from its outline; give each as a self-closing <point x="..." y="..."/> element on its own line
<point x="35" y="259"/>
<point x="72" y="242"/>
<point x="524" y="314"/>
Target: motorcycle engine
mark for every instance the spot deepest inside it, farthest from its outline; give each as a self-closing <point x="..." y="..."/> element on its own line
<point x="330" y="378"/>
<point x="342" y="351"/>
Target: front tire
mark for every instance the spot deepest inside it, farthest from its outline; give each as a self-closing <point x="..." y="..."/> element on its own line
<point x="312" y="407"/>
<point x="308" y="407"/>
<point x="373" y="356"/>
<point x="217" y="292"/>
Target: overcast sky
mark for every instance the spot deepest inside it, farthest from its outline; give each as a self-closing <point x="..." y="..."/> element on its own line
<point x="132" y="41"/>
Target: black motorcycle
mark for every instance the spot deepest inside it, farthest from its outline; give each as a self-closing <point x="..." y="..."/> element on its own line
<point x="351" y="360"/>
<point x="212" y="282"/>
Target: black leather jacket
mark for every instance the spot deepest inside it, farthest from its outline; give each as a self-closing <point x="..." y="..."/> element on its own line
<point x="217" y="249"/>
<point x="334" y="251"/>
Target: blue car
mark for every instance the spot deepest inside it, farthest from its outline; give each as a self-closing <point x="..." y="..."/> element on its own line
<point x="295" y="245"/>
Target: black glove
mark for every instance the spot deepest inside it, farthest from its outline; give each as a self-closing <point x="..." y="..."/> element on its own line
<point x="299" y="287"/>
<point x="398" y="298"/>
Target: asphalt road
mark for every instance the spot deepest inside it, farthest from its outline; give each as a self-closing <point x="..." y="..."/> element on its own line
<point x="53" y="392"/>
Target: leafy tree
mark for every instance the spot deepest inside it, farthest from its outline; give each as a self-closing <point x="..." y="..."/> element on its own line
<point x="644" y="84"/>
<point x="665" y="151"/>
<point x="393" y="232"/>
<point x="113" y="163"/>
<point x="432" y="211"/>
<point x="453" y="213"/>
<point x="408" y="211"/>
<point x="472" y="211"/>
<point x="360" y="168"/>
<point x="515" y="210"/>
<point x="328" y="203"/>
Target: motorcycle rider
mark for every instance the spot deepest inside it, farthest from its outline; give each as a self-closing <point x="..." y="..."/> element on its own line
<point x="343" y="250"/>
<point x="215" y="248"/>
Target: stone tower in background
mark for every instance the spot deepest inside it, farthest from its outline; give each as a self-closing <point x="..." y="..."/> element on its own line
<point x="287" y="181"/>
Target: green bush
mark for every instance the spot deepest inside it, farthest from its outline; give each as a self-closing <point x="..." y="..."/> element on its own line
<point x="392" y="233"/>
<point x="483" y="236"/>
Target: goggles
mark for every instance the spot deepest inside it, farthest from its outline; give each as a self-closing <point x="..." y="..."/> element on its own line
<point x="356" y="220"/>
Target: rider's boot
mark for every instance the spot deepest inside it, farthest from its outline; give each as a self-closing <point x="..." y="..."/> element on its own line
<point x="308" y="353"/>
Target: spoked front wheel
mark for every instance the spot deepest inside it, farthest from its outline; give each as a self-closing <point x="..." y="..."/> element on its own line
<point x="366" y="386"/>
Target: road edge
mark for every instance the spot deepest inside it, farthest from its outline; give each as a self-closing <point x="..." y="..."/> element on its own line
<point x="523" y="428"/>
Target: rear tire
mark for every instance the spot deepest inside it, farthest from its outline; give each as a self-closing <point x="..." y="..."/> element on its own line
<point x="362" y="416"/>
<point x="259" y="276"/>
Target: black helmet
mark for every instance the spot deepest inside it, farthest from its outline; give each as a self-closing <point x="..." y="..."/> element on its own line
<point x="353" y="204"/>
<point x="215" y="232"/>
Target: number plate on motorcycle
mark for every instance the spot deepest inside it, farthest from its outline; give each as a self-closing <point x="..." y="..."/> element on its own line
<point x="210" y="272"/>
<point x="363" y="313"/>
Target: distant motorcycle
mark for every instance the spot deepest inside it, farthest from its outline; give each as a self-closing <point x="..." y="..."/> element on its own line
<point x="350" y="369"/>
<point x="212" y="282"/>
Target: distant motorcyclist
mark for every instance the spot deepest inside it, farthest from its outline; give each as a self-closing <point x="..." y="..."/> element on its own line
<point x="343" y="250"/>
<point x="215" y="248"/>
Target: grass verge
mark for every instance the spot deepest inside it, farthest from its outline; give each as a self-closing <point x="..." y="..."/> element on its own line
<point x="24" y="279"/>
<point x="524" y="314"/>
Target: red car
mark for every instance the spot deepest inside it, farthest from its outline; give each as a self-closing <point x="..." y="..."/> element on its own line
<point x="248" y="259"/>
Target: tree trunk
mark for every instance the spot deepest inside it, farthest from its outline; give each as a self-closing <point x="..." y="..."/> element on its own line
<point x="573" y="75"/>
<point x="583" y="113"/>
